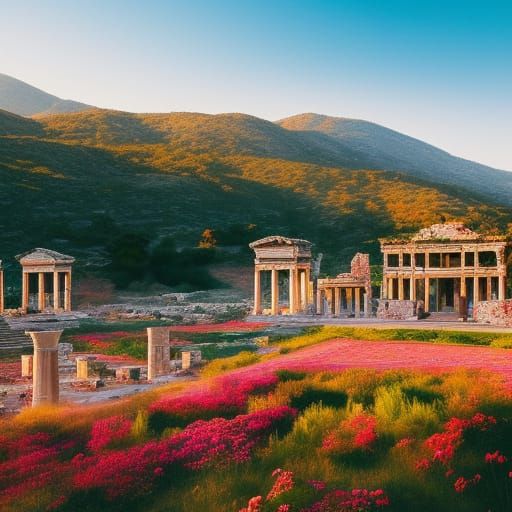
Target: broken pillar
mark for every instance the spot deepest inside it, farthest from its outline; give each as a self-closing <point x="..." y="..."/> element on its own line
<point x="159" y="352"/>
<point x="45" y="367"/>
<point x="186" y="360"/>
<point x="27" y="365"/>
<point x="82" y="368"/>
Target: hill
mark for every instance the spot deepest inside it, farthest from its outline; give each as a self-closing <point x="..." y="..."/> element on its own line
<point x="23" y="99"/>
<point x="382" y="148"/>
<point x="73" y="181"/>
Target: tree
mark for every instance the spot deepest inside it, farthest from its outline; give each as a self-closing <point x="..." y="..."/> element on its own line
<point x="207" y="239"/>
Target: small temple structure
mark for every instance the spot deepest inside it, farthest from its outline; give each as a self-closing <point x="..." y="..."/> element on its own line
<point x="279" y="254"/>
<point x="50" y="273"/>
<point x="445" y="268"/>
<point x="347" y="293"/>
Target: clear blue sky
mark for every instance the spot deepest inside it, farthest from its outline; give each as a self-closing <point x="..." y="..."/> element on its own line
<point x="437" y="70"/>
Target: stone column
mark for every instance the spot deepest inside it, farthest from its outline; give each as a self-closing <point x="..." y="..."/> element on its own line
<point x="46" y="367"/>
<point x="186" y="360"/>
<point x="357" y="305"/>
<point x="319" y="305"/>
<point x="292" y="292"/>
<point x="502" y="291"/>
<point x="56" y="291"/>
<point x="67" y="291"/>
<point x="337" y="301"/>
<point x="384" y="288"/>
<point x="365" y="304"/>
<point x="257" y="292"/>
<point x="427" y="294"/>
<point x="349" y="300"/>
<point x="303" y="290"/>
<point x="400" y="288"/>
<point x="82" y="368"/>
<point x="391" y="295"/>
<point x="27" y="365"/>
<point x="275" y="292"/>
<point x="476" y="292"/>
<point x="463" y="292"/>
<point x="489" y="289"/>
<point x="159" y="352"/>
<point x="25" y="291"/>
<point x="41" y="302"/>
<point x="412" y="288"/>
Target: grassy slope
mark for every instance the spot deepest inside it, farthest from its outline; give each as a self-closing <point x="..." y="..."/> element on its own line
<point x="179" y="173"/>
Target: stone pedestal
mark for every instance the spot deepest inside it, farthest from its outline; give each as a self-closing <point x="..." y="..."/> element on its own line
<point x="27" y="362"/>
<point x="159" y="352"/>
<point x="82" y="368"/>
<point x="46" y="367"/>
<point x="186" y="360"/>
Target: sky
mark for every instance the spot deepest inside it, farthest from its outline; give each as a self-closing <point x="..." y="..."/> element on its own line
<point x="440" y="71"/>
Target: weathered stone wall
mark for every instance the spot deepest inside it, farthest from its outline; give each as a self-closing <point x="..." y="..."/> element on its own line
<point x="494" y="312"/>
<point x="396" y="309"/>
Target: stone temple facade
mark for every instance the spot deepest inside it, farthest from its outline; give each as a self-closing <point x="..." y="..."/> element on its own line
<point x="446" y="268"/>
<point x="281" y="255"/>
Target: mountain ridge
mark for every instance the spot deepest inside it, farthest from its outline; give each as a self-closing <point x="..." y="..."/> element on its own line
<point x="21" y="98"/>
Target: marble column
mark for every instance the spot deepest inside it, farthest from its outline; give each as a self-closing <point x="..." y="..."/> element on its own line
<point x="56" y="291"/>
<point x="275" y="292"/>
<point x="349" y="300"/>
<point x="257" y="292"/>
<point x="292" y="292"/>
<point x="25" y="291"/>
<point x="502" y="288"/>
<point x="45" y="367"/>
<point x="427" y="294"/>
<point x="319" y="305"/>
<point x="357" y="306"/>
<point x="303" y="290"/>
<point x="476" y="291"/>
<point x="400" y="288"/>
<point x="337" y="301"/>
<point x="159" y="352"/>
<point x="67" y="291"/>
<point x="41" y="302"/>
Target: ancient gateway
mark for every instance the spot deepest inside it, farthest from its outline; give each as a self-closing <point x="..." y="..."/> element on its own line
<point x="278" y="254"/>
<point x="446" y="268"/>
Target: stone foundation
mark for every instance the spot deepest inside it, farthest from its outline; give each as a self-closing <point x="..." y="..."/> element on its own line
<point x="494" y="312"/>
<point x="396" y="309"/>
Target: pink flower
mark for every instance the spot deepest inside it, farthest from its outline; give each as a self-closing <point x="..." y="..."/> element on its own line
<point x="495" y="458"/>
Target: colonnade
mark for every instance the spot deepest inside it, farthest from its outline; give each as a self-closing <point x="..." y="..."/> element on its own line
<point x="298" y="289"/>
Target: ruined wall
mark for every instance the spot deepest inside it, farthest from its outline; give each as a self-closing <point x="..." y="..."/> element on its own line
<point x="360" y="266"/>
<point x="494" y="312"/>
<point x="396" y="309"/>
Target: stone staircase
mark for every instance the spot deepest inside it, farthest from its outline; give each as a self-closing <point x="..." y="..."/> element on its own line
<point x="13" y="342"/>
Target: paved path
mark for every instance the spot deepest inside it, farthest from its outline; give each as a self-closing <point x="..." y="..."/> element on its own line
<point x="376" y="323"/>
<point x="341" y="354"/>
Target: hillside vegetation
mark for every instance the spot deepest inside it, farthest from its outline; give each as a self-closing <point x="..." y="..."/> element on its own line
<point x="73" y="181"/>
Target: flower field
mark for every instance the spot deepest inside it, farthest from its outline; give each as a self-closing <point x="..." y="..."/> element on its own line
<point x="342" y="425"/>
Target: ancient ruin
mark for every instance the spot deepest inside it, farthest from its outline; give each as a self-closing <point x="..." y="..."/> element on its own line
<point x="347" y="293"/>
<point x="43" y="269"/>
<point x="276" y="254"/>
<point x="45" y="387"/>
<point x="159" y="352"/>
<point x="446" y="268"/>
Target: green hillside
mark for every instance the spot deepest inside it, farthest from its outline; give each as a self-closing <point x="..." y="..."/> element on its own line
<point x="73" y="181"/>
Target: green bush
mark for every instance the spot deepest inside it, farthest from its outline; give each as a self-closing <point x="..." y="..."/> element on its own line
<point x="314" y="395"/>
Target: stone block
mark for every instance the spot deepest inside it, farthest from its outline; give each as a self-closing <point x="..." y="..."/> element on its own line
<point x="396" y="309"/>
